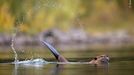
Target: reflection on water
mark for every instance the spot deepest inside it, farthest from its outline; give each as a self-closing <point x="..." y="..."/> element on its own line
<point x="32" y="70"/>
<point x="114" y="68"/>
<point x="58" y="69"/>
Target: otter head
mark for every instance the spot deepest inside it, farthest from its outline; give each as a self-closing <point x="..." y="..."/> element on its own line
<point x="100" y="60"/>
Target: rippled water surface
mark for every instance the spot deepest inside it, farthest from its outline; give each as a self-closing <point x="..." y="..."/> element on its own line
<point x="121" y="63"/>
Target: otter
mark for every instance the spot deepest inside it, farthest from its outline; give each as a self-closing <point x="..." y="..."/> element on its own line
<point x="98" y="60"/>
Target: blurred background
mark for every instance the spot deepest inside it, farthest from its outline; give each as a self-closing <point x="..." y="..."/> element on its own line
<point x="67" y="24"/>
<point x="79" y="29"/>
<point x="35" y="16"/>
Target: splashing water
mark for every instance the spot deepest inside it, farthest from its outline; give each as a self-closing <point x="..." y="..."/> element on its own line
<point x="36" y="62"/>
<point x="16" y="61"/>
<point x="12" y="46"/>
<point x="32" y="61"/>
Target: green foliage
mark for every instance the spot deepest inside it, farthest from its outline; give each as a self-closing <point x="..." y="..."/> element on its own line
<point x="33" y="16"/>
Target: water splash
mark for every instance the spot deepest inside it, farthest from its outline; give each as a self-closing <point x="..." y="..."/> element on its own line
<point x="32" y="61"/>
<point x="12" y="46"/>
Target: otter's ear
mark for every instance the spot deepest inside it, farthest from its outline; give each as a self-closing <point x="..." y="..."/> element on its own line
<point x="95" y="58"/>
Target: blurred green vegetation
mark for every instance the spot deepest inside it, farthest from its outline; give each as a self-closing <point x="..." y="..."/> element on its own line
<point x="34" y="16"/>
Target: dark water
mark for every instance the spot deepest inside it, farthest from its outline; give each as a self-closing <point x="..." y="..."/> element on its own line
<point x="121" y="63"/>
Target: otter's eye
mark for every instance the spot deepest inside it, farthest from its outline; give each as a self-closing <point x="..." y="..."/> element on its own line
<point x="95" y="58"/>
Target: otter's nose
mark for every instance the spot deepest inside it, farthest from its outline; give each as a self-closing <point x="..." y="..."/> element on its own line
<point x="105" y="59"/>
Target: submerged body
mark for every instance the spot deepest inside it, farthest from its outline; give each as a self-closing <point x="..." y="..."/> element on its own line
<point x="98" y="60"/>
